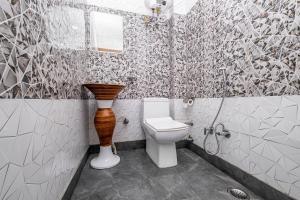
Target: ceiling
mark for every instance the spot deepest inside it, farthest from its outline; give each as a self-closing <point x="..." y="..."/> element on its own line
<point x="181" y="7"/>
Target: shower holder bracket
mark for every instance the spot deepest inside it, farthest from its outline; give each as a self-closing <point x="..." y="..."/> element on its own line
<point x="209" y="131"/>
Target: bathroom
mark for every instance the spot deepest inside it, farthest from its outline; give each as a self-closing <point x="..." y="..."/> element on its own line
<point x="149" y="99"/>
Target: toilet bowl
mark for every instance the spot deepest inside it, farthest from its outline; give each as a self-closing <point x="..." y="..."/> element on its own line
<point x="161" y="132"/>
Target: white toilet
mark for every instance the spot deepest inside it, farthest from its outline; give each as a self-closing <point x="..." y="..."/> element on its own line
<point x="161" y="132"/>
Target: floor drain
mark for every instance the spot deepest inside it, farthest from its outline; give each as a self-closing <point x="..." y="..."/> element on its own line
<point x="238" y="193"/>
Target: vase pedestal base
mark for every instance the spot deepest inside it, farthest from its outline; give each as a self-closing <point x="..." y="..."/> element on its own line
<point x="105" y="159"/>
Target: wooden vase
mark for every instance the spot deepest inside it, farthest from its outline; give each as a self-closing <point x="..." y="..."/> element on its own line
<point x="105" y="122"/>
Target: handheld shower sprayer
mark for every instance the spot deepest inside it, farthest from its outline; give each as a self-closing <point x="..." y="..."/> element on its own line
<point x="213" y="130"/>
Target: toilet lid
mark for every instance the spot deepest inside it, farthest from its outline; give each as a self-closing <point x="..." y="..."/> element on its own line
<point x="165" y="124"/>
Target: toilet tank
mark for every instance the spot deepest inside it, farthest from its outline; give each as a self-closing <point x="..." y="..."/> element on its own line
<point x="155" y="107"/>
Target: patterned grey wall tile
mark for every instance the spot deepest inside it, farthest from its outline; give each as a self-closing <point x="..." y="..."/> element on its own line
<point x="31" y="67"/>
<point x="12" y="9"/>
<point x="146" y="56"/>
<point x="256" y="41"/>
<point x="178" y="70"/>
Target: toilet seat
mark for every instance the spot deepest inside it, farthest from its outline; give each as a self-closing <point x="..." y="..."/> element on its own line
<point x="165" y="124"/>
<point x="165" y="129"/>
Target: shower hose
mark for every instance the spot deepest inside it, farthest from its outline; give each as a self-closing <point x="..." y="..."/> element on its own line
<point x="212" y="128"/>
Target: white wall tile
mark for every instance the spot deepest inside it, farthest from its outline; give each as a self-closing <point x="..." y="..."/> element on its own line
<point x="10" y="128"/>
<point x="27" y="120"/>
<point x="41" y="146"/>
<point x="3" y="118"/>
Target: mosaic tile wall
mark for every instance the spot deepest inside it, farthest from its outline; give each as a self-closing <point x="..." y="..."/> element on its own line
<point x="265" y="139"/>
<point x="30" y="65"/>
<point x="178" y="57"/>
<point x="42" y="143"/>
<point x="35" y="61"/>
<point x="256" y="41"/>
<point x="146" y="57"/>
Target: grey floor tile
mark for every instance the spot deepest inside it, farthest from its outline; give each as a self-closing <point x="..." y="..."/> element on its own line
<point x="138" y="178"/>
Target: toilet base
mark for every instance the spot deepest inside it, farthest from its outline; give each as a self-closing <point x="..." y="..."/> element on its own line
<point x="163" y="155"/>
<point x="105" y="159"/>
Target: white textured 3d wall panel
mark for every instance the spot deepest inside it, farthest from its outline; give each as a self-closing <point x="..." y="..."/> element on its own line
<point x="41" y="145"/>
<point x="265" y="139"/>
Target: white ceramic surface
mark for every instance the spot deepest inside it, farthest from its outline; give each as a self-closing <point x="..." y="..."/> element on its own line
<point x="42" y="143"/>
<point x="160" y="145"/>
<point x="105" y="159"/>
<point x="104" y="103"/>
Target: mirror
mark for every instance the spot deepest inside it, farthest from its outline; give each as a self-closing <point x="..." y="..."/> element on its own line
<point x="65" y="27"/>
<point x="106" y="32"/>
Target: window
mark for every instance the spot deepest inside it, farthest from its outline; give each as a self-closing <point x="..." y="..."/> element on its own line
<point x="106" y="32"/>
